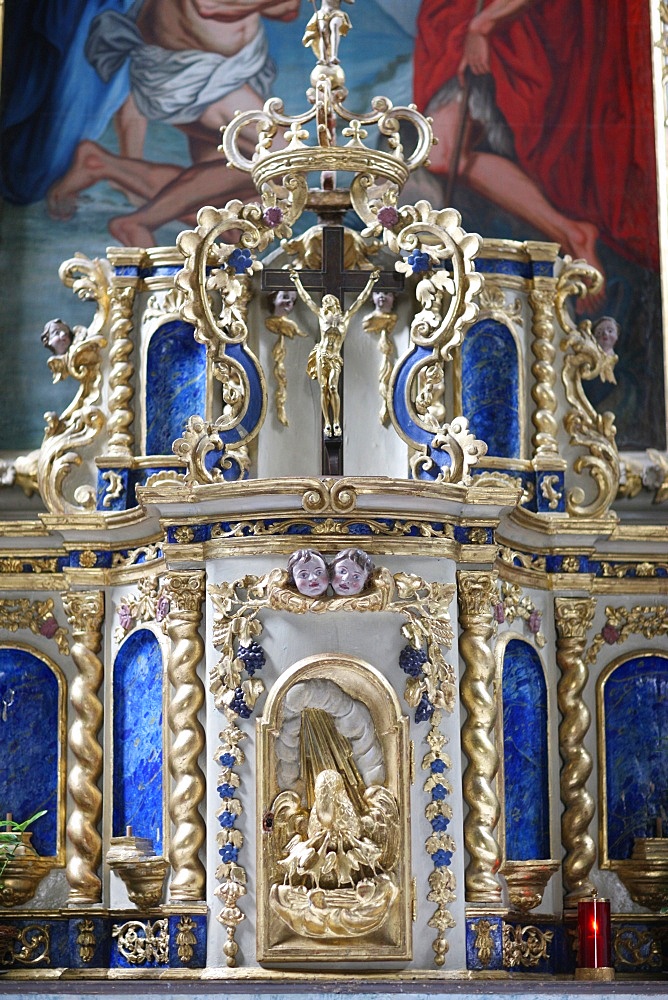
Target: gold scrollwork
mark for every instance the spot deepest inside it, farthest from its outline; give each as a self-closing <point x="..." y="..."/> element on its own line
<point x="67" y="436"/>
<point x="425" y="606"/>
<point x="334" y="496"/>
<point x="584" y="359"/>
<point x="21" y="612"/>
<point x="524" y="946"/>
<point x="114" y="487"/>
<point x="512" y="603"/>
<point x="464" y="449"/>
<point x="199" y="439"/>
<point x="649" y="621"/>
<point x="634" y="948"/>
<point x="513" y="557"/>
<point x="140" y="942"/>
<point x="25" y="945"/>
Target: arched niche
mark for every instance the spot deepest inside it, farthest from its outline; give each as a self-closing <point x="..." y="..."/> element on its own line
<point x="524" y="766"/>
<point x="33" y="741"/>
<point x="632" y="700"/>
<point x="138" y="761"/>
<point x="176" y="387"/>
<point x="333" y="755"/>
<point x="491" y="389"/>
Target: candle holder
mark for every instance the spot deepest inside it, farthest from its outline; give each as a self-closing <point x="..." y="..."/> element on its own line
<point x="594" y="940"/>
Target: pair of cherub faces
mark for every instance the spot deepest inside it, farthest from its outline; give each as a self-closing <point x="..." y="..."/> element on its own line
<point x="348" y="572"/>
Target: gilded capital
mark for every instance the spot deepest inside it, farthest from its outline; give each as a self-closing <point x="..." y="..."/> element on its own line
<point x="85" y="611"/>
<point x="185" y="592"/>
<point x="476" y="593"/>
<point x="573" y="616"/>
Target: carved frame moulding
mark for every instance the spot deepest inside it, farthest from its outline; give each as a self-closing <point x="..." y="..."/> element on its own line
<point x="304" y="910"/>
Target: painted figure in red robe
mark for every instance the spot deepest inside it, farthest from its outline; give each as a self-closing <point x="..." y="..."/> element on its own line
<point x="559" y="123"/>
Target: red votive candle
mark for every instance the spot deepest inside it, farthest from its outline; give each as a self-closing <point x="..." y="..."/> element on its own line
<point x="594" y="934"/>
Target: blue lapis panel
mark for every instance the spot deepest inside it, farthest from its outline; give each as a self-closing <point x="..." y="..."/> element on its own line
<point x="525" y="755"/>
<point x="175" y="384"/>
<point x="137" y="730"/>
<point x="400" y="396"/>
<point x="29" y="737"/>
<point x="88" y="937"/>
<point x="490" y="387"/>
<point x="636" y="750"/>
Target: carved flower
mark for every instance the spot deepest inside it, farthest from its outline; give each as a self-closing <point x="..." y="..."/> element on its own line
<point x="610" y="634"/>
<point x="419" y="261"/>
<point x="241" y="261"/>
<point x="499" y="612"/>
<point x="535" y="620"/>
<point x="162" y="609"/>
<point x="87" y="559"/>
<point x="273" y="216"/>
<point x="48" y="628"/>
<point x="125" y="617"/>
<point x="388" y="216"/>
<point x="183" y="535"/>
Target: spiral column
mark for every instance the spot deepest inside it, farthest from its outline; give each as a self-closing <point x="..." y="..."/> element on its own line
<point x="475" y="592"/>
<point x="573" y="617"/>
<point x="185" y="591"/>
<point x="544" y="416"/>
<point x="85" y="613"/>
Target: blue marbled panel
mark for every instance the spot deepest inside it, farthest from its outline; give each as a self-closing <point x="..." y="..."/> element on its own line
<point x="636" y="750"/>
<point x="138" y="738"/>
<point x="175" y="385"/>
<point x="490" y="933"/>
<point x="490" y="387"/>
<point x="525" y="753"/>
<point x="29" y="727"/>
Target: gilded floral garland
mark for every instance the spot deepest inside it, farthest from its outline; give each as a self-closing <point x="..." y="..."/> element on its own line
<point x="230" y="874"/>
<point x="650" y="621"/>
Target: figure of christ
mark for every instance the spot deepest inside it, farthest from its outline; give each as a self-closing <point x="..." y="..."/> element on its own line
<point x="201" y="47"/>
<point x="567" y="142"/>
<point x="325" y="362"/>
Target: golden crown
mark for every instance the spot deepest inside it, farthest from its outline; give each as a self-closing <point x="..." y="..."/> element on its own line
<point x="280" y="174"/>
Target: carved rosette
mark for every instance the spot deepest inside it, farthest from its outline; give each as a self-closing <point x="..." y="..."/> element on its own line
<point x="595" y="432"/>
<point x="185" y="592"/>
<point x="573" y="617"/>
<point x="476" y="591"/>
<point x="544" y="440"/>
<point x="121" y="391"/>
<point x="85" y="612"/>
<point x="67" y="436"/>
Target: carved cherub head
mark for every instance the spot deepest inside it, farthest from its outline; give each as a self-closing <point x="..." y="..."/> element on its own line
<point x="606" y="333"/>
<point x="57" y="336"/>
<point x="350" y="569"/>
<point x="307" y="570"/>
<point x="283" y="301"/>
<point x="383" y="301"/>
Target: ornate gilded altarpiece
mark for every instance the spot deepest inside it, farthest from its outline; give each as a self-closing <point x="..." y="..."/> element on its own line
<point x="333" y="642"/>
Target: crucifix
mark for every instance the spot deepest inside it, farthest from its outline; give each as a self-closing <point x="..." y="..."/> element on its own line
<point x="326" y="360"/>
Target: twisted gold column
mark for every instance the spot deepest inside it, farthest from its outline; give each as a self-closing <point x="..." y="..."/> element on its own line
<point x="121" y="414"/>
<point x="573" y="617"/>
<point x="85" y="612"/>
<point x="544" y="440"/>
<point x="185" y="592"/>
<point x="475" y="591"/>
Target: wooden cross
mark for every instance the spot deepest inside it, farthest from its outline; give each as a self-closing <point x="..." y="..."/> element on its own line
<point x="331" y="279"/>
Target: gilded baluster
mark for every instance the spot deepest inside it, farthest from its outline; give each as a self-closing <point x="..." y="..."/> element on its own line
<point x="543" y="417"/>
<point x="573" y="617"/>
<point x="475" y="601"/>
<point x="185" y="592"/>
<point x="85" y="613"/>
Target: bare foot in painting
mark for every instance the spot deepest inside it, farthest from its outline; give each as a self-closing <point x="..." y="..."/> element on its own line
<point x="131" y="233"/>
<point x="86" y="169"/>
